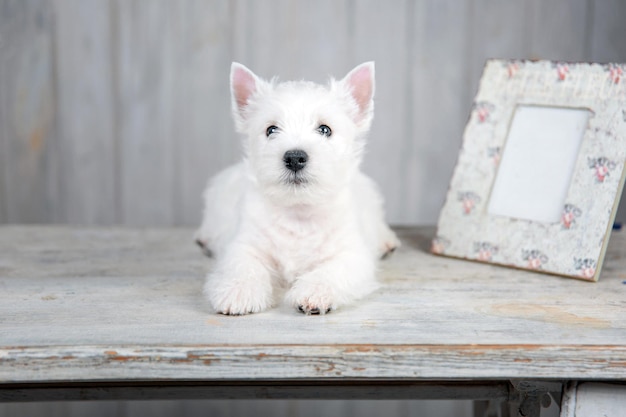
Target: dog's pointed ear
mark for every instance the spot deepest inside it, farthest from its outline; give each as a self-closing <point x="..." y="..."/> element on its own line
<point x="360" y="83"/>
<point x="243" y="84"/>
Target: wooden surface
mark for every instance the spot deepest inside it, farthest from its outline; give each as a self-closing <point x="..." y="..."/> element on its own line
<point x="80" y="304"/>
<point x="117" y="112"/>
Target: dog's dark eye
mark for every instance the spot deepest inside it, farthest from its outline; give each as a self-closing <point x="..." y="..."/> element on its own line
<point x="271" y="130"/>
<point x="324" y="130"/>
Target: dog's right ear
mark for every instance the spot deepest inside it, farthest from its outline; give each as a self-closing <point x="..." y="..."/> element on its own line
<point x="243" y="85"/>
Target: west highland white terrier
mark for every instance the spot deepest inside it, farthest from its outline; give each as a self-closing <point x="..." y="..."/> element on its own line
<point x="296" y="215"/>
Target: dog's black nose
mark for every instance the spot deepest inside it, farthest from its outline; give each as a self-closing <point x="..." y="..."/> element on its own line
<point x="295" y="160"/>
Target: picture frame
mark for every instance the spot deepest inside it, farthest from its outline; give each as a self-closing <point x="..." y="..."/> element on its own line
<point x="531" y="122"/>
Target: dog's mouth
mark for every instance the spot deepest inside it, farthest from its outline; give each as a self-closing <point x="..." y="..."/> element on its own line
<point x="295" y="179"/>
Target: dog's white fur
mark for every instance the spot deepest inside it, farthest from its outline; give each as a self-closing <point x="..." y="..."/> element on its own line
<point x="316" y="234"/>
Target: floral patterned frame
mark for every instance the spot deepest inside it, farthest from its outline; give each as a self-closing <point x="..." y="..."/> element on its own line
<point x="575" y="245"/>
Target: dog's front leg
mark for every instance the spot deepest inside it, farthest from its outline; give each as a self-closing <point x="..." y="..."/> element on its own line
<point x="343" y="279"/>
<point x="241" y="282"/>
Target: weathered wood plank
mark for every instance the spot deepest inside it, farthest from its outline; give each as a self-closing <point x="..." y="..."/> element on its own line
<point x="606" y="45"/>
<point x="147" y="48"/>
<point x="558" y="30"/>
<point x="85" y="114"/>
<point x="392" y="132"/>
<point x="293" y="39"/>
<point x="127" y="304"/>
<point x="207" y="141"/>
<point x="167" y="71"/>
<point x="162" y="270"/>
<point x="28" y="142"/>
<point x="442" y="100"/>
<point x="607" y="31"/>
<point x="499" y="29"/>
<point x="311" y="361"/>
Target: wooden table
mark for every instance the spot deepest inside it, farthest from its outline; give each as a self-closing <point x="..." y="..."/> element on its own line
<point x="99" y="313"/>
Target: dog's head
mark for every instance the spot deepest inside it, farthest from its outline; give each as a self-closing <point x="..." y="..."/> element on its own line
<point x="304" y="141"/>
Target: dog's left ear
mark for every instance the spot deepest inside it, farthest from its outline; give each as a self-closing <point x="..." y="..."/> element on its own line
<point x="360" y="83"/>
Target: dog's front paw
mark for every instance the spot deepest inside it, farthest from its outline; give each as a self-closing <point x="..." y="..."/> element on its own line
<point x="314" y="310"/>
<point x="237" y="297"/>
<point x="311" y="298"/>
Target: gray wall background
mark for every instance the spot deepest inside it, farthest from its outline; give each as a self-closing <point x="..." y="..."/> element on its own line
<point x="117" y="111"/>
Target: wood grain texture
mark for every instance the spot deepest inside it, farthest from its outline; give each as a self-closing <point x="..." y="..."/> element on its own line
<point x="498" y="29"/>
<point x="85" y="112"/>
<point x="117" y="112"/>
<point x="126" y="304"/>
<point x="605" y="20"/>
<point x="28" y="142"/>
<point x="389" y="141"/>
<point x="441" y="102"/>
<point x="559" y="30"/>
<point x="205" y="137"/>
<point x="605" y="36"/>
<point x="293" y="39"/>
<point x="148" y="48"/>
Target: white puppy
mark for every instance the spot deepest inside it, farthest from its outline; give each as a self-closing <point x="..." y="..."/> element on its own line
<point x="296" y="214"/>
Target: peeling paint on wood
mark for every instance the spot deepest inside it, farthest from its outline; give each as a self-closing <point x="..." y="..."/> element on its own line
<point x="283" y="362"/>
